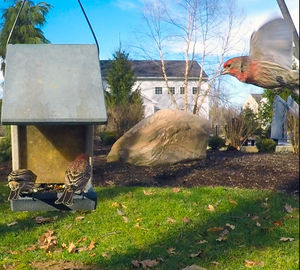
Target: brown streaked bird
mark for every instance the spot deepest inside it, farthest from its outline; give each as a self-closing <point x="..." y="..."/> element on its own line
<point x="76" y="177"/>
<point x="21" y="180"/>
<point x="269" y="64"/>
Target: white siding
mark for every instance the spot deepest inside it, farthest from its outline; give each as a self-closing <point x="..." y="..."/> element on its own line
<point x="153" y="102"/>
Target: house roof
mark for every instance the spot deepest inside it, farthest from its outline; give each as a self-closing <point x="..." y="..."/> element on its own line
<point x="152" y="68"/>
<point x="46" y="83"/>
<point x="257" y="97"/>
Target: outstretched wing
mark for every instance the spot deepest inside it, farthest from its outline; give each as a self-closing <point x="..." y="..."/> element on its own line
<point x="273" y="42"/>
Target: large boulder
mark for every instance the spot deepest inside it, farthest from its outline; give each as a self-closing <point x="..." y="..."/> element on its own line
<point x="166" y="137"/>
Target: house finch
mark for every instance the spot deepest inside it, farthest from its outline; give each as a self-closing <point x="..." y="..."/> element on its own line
<point x="19" y="181"/>
<point x="270" y="58"/>
<point x="76" y="178"/>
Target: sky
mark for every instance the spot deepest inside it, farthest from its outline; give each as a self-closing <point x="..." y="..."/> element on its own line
<point x="118" y="22"/>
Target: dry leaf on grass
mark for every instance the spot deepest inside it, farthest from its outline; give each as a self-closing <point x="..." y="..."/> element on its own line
<point x="223" y="236"/>
<point x="13" y="252"/>
<point x="79" y="218"/>
<point x="215" y="262"/>
<point x="47" y="241"/>
<point x="176" y="190"/>
<point x="91" y="245"/>
<point x="171" y="250"/>
<point x="12" y="224"/>
<point x="120" y="212"/>
<point x="147" y="193"/>
<point x="203" y="242"/>
<point x="197" y="254"/>
<point x="288" y="208"/>
<point x="255" y="217"/>
<point x="258" y="224"/>
<point x="215" y="229"/>
<point x="186" y="220"/>
<point x="125" y="219"/>
<point x="41" y="220"/>
<point x="71" y="248"/>
<point x="251" y="264"/>
<point x="105" y="255"/>
<point x="171" y="220"/>
<point x="286" y="239"/>
<point x="232" y="201"/>
<point x="31" y="248"/>
<point x="145" y="263"/>
<point x="278" y="223"/>
<point x="81" y="239"/>
<point x="232" y="227"/>
<point x="210" y="208"/>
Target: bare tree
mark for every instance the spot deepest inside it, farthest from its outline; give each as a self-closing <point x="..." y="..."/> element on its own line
<point x="202" y="27"/>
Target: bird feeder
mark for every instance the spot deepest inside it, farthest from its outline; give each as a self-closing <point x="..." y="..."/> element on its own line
<point x="52" y="97"/>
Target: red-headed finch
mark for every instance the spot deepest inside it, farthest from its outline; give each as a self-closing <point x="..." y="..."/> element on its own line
<point x="76" y="177"/>
<point x="269" y="64"/>
<point x="21" y="180"/>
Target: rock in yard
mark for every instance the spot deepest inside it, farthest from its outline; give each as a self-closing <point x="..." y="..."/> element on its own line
<point x="166" y="137"/>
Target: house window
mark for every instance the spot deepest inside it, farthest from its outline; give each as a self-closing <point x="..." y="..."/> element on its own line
<point x="182" y="90"/>
<point x="194" y="90"/>
<point x="158" y="90"/>
<point x="172" y="90"/>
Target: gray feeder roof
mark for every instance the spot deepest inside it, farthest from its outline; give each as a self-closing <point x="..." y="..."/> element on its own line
<point x="58" y="84"/>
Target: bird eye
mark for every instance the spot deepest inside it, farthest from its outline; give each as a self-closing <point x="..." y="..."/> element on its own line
<point x="229" y="65"/>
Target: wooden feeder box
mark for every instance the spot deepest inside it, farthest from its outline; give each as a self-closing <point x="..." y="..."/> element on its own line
<point x="52" y="97"/>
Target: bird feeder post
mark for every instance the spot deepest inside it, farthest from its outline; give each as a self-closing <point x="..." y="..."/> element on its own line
<point x="52" y="98"/>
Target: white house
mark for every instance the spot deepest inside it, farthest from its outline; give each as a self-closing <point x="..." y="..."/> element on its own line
<point x="254" y="101"/>
<point x="153" y="87"/>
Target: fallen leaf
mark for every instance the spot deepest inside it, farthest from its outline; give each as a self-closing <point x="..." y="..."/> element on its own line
<point x="125" y="219"/>
<point x="79" y="218"/>
<point x="278" y="223"/>
<point x="232" y="227"/>
<point x="210" y="208"/>
<point x="145" y="263"/>
<point x="32" y="248"/>
<point x="186" y="220"/>
<point x="135" y="263"/>
<point x="71" y="247"/>
<point x="93" y="254"/>
<point x="110" y="183"/>
<point x="147" y="193"/>
<point x="91" y="245"/>
<point x="120" y="212"/>
<point x="123" y="205"/>
<point x="286" y="239"/>
<point x="215" y="262"/>
<point x="12" y="224"/>
<point x="171" y="220"/>
<point x="176" y="190"/>
<point x="13" y="252"/>
<point x="215" y="229"/>
<point x="115" y="204"/>
<point x="105" y="255"/>
<point x="41" y="220"/>
<point x="251" y="264"/>
<point x="223" y="235"/>
<point x="81" y="239"/>
<point x="232" y="201"/>
<point x="47" y="241"/>
<point x="80" y="249"/>
<point x="255" y="217"/>
<point x="171" y="250"/>
<point x="194" y="267"/>
<point x="258" y="224"/>
<point x="139" y="219"/>
<point x="288" y="208"/>
<point x="203" y="242"/>
<point x="197" y="254"/>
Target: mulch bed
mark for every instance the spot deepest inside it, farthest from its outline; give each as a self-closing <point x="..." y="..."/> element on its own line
<point x="276" y="171"/>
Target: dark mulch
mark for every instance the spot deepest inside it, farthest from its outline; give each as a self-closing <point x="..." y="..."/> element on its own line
<point x="276" y="171"/>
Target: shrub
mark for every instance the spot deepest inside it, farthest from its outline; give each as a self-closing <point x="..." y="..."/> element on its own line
<point x="266" y="145"/>
<point x="215" y="142"/>
<point x="108" y="137"/>
<point x="293" y="129"/>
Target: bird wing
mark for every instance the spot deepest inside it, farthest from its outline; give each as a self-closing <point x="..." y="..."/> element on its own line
<point x="273" y="42"/>
<point x="77" y="179"/>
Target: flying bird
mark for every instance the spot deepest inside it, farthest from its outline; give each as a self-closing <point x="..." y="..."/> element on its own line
<point x="77" y="176"/>
<point x="269" y="64"/>
<point x="21" y="180"/>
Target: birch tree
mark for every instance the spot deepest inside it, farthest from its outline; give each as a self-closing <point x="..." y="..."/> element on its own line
<point x="201" y="28"/>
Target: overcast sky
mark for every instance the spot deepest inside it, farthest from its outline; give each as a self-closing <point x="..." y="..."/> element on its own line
<point x="120" y="20"/>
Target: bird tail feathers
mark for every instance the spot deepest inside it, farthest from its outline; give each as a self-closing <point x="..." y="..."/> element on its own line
<point x="66" y="198"/>
<point x="14" y="194"/>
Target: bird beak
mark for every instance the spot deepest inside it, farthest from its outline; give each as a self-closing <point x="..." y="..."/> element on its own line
<point x="224" y="71"/>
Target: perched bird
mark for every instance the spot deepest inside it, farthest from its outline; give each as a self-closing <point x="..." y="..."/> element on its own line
<point x="76" y="177"/>
<point x="19" y="181"/>
<point x="269" y="64"/>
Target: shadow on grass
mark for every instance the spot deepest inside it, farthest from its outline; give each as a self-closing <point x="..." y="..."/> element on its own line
<point x="250" y="235"/>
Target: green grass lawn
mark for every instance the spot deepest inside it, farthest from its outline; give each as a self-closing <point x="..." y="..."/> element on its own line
<point x="173" y="228"/>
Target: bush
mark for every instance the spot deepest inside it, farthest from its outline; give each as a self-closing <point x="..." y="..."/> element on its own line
<point x="266" y="145"/>
<point x="5" y="149"/>
<point x="215" y="142"/>
<point x="108" y="137"/>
